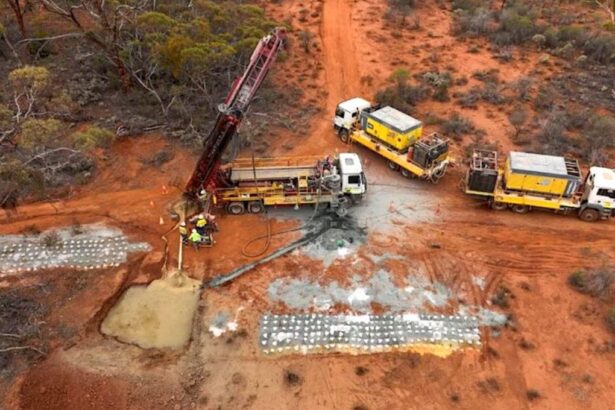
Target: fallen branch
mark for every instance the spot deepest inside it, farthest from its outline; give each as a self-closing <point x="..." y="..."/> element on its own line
<point x="11" y="335"/>
<point x="46" y="39"/>
<point x="52" y="151"/>
<point x="10" y="349"/>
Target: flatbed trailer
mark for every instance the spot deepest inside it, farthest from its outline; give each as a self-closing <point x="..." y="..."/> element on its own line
<point x="399" y="161"/>
<point x="591" y="200"/>
<point x="248" y="185"/>
<point x="394" y="135"/>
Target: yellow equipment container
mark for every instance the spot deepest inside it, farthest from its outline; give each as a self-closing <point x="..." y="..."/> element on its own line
<point x="393" y="127"/>
<point x="545" y="174"/>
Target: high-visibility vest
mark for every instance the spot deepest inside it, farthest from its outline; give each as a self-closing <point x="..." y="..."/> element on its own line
<point x="183" y="230"/>
<point x="195" y="237"/>
<point x="201" y="222"/>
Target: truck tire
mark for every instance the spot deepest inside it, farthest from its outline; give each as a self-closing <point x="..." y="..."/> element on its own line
<point x="343" y="134"/>
<point x="520" y="209"/>
<point x="407" y="174"/>
<point x="256" y="207"/>
<point x="342" y="211"/>
<point x="393" y="166"/>
<point x="498" y="206"/>
<point x="235" y="208"/>
<point x="589" y="215"/>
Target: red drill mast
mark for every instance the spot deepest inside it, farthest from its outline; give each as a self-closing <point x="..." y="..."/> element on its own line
<point x="232" y="110"/>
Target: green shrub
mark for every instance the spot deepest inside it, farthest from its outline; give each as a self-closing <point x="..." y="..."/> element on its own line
<point x="92" y="137"/>
<point x="38" y="134"/>
<point x="518" y="28"/>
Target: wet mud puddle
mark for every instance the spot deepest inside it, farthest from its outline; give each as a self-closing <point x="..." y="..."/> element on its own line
<point x="158" y="315"/>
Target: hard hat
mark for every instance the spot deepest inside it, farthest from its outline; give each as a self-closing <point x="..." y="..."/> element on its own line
<point x="193" y="230"/>
<point x="201" y="216"/>
<point x="183" y="224"/>
<point x="202" y="192"/>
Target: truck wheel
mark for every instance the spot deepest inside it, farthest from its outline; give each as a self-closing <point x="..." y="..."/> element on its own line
<point x="256" y="207"/>
<point x="235" y="208"/>
<point x="589" y="215"/>
<point x="407" y="174"/>
<point x="393" y="166"/>
<point x="498" y="206"/>
<point x="520" y="209"/>
<point x="343" y="134"/>
<point x="341" y="211"/>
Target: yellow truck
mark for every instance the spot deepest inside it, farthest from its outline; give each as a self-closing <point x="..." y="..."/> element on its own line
<point x="248" y="185"/>
<point x="393" y="135"/>
<point x="526" y="181"/>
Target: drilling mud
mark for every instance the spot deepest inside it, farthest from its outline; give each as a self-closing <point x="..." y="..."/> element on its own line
<point x="159" y="315"/>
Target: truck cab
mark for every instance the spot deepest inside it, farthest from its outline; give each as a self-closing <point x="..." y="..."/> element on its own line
<point x="599" y="195"/>
<point x="354" y="182"/>
<point x="347" y="113"/>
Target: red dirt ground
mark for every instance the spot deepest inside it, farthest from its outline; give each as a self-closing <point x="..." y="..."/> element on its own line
<point x="556" y="345"/>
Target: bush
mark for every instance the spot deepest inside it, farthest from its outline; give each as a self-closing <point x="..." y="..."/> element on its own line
<point x="517" y="118"/>
<point x="473" y="22"/>
<point x="440" y="82"/>
<point x="400" y="94"/>
<point x="544" y="98"/>
<point x="516" y="28"/>
<point x="600" y="48"/>
<point x="487" y="76"/>
<point x="596" y="283"/>
<point x="37" y="134"/>
<point x="456" y="125"/>
<point x="522" y="88"/>
<point x="16" y="179"/>
<point x="92" y="137"/>
<point x="552" y="135"/>
<point x="599" y="134"/>
<point x="399" y="10"/>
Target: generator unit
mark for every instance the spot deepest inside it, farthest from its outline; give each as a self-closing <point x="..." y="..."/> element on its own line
<point x="392" y="127"/>
<point x="545" y="174"/>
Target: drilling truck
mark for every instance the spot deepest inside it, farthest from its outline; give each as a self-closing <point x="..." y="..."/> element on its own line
<point x="393" y="135"/>
<point x="248" y="185"/>
<point x="527" y="181"/>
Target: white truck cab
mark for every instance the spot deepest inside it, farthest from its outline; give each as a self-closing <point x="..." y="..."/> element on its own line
<point x="347" y="112"/>
<point x="353" y="177"/>
<point x="599" y="191"/>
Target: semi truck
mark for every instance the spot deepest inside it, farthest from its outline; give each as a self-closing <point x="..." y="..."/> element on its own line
<point x="248" y="185"/>
<point x="394" y="135"/>
<point x="526" y="181"/>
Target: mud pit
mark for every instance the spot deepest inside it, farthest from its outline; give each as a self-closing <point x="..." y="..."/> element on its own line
<point x="159" y="315"/>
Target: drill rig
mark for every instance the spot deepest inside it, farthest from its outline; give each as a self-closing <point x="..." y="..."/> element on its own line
<point x="204" y="177"/>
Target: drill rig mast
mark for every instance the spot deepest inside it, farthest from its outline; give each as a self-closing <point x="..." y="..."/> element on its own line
<point x="231" y="112"/>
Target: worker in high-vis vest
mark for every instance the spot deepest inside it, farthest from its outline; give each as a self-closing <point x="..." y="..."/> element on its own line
<point x="195" y="238"/>
<point x="183" y="232"/>
<point x="201" y="223"/>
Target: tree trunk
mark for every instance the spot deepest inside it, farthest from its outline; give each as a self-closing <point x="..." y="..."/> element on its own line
<point x="18" y="11"/>
<point x="122" y="72"/>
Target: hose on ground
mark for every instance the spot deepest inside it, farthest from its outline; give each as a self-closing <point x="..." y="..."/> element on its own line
<point x="270" y="234"/>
